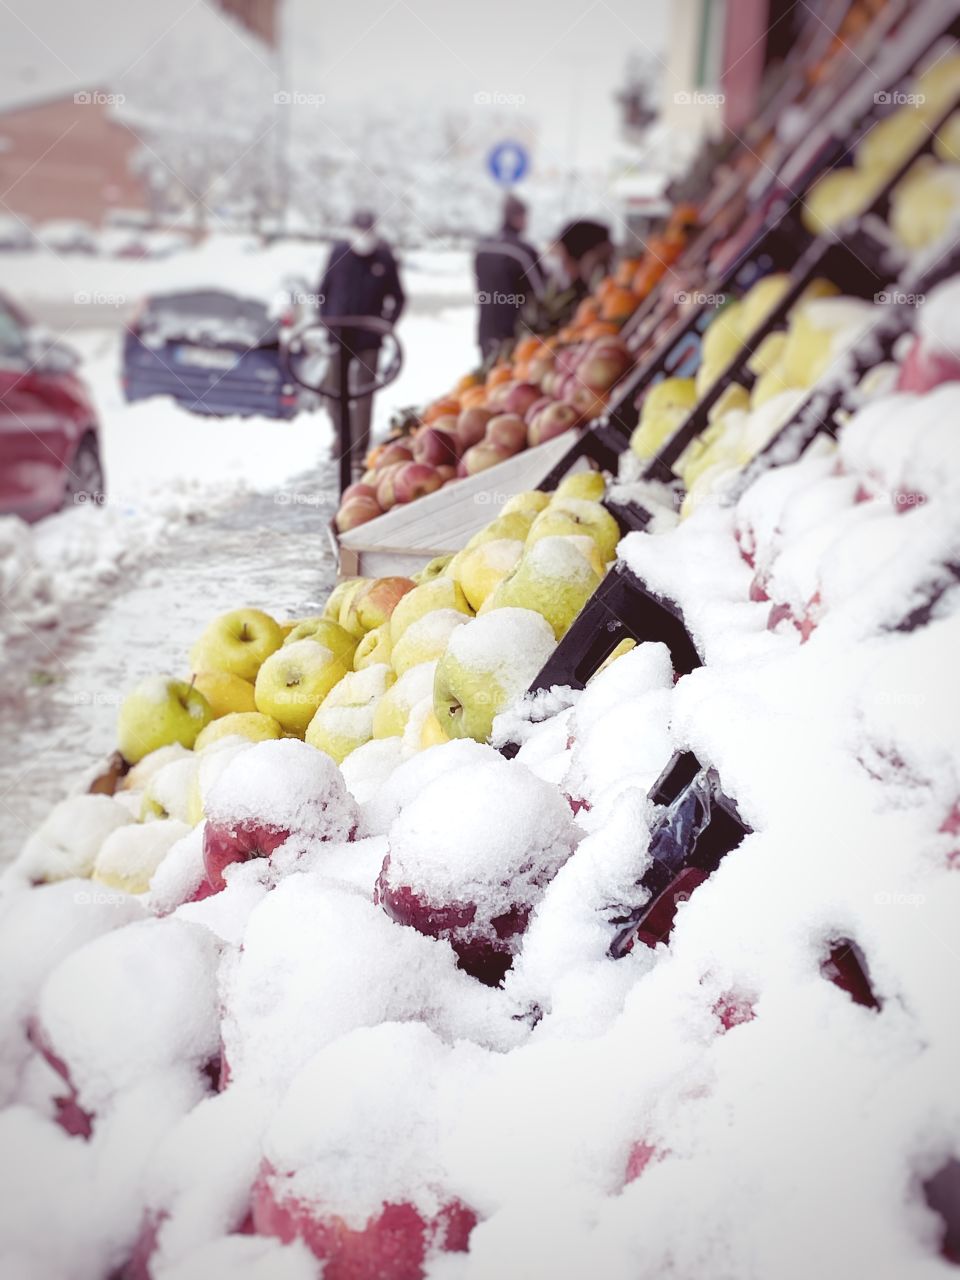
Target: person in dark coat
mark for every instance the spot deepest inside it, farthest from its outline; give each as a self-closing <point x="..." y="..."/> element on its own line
<point x="361" y="279"/>
<point x="508" y="278"/>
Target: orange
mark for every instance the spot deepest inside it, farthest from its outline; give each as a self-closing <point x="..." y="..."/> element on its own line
<point x="440" y="408"/>
<point x="618" y="304"/>
<point x="498" y="374"/>
<point x="601" y="329"/>
<point x="626" y="270"/>
<point x="470" y="399"/>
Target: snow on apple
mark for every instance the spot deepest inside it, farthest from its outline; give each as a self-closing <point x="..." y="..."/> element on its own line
<point x="67" y="842"/>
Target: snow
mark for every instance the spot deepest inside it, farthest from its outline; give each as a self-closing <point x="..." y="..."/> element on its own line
<point x="506" y="645"/>
<point x="67" y="841"/>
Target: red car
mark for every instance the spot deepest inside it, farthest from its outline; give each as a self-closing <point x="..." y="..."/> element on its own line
<point x="49" y="446"/>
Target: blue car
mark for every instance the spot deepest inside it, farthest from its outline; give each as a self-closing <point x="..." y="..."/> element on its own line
<point x="214" y="352"/>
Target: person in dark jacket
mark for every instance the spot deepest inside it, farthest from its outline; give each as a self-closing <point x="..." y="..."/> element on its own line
<point x="508" y="277"/>
<point x="361" y="279"/>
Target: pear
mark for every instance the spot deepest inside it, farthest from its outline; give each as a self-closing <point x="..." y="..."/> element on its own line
<point x="487" y="666"/>
<point x="554" y="578"/>
<point x="483" y="567"/>
<point x="344" y="720"/>
<point x="578" y="516"/>
<point x="393" y="710"/>
<point x="425" y="639"/>
<point x="440" y="593"/>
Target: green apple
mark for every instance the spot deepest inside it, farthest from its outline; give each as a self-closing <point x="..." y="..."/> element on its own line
<point x="225" y="692"/>
<point x="487" y="666"/>
<point x="484" y="567"/>
<point x="554" y="578"/>
<point x="582" y="484"/>
<point x="344" y="720"/>
<point x="425" y="639"/>
<point x="578" y="516"/>
<point x="293" y="682"/>
<point x="253" y="725"/>
<point x="159" y="711"/>
<point x="440" y="593"/>
<point x="237" y="642"/>
<point x="513" y="524"/>
<point x="326" y="631"/>
<point x="374" y="648"/>
<point x="372" y="604"/>
<point x="528" y="503"/>
<point x="393" y="710"/>
<point x="335" y="602"/>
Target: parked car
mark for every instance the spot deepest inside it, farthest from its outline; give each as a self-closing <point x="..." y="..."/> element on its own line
<point x="15" y="236"/>
<point x="214" y="351"/>
<point x="65" y="236"/>
<point x="49" y="435"/>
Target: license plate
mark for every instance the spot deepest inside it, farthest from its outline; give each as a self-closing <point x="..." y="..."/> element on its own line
<point x="206" y="357"/>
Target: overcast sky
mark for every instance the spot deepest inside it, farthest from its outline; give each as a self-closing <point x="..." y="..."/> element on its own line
<point x="555" y="64"/>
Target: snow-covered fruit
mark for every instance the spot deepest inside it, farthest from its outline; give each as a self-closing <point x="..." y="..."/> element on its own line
<point x="158" y="712"/>
<point x="268" y="794"/>
<point x="470" y="857"/>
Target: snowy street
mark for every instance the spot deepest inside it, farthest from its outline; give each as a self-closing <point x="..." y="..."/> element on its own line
<point x="202" y="515"/>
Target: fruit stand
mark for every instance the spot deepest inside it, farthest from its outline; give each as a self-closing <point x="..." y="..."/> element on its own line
<point x="566" y="855"/>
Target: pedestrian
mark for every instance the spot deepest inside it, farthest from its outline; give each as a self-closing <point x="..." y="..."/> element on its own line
<point x="577" y="260"/>
<point x="361" y="280"/>
<point x="508" y="278"/>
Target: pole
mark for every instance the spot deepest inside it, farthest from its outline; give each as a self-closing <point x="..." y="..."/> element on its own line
<point x="346" y="420"/>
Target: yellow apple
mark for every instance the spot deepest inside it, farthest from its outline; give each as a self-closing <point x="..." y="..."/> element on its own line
<point x="373" y="604"/>
<point x="528" y="503"/>
<point x="392" y="712"/>
<point x="237" y="642"/>
<point x="225" y="692"/>
<point x="374" y="648"/>
<point x="293" y="682"/>
<point x="344" y="720"/>
<point x="578" y="516"/>
<point x="554" y="578"/>
<point x="253" y="725"/>
<point x="335" y="600"/>
<point x="431" y="732"/>
<point x="623" y="647"/>
<point x="425" y="639"/>
<point x="130" y="855"/>
<point x="326" y="631"/>
<point x="157" y="712"/>
<point x="482" y="567"/>
<point x="582" y="484"/>
<point x="440" y="593"/>
<point x="514" y="524"/>
<point x="760" y="299"/>
<point x="432" y="569"/>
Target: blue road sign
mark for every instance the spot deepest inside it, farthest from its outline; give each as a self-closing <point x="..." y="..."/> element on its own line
<point x="508" y="162"/>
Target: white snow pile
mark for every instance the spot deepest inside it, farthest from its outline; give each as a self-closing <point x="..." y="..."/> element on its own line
<point x="409" y="1053"/>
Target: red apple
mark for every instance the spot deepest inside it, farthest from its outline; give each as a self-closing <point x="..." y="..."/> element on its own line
<point x="436" y="446"/>
<point x="357" y="511"/>
<point x="497" y="398"/>
<point x="508" y="432"/>
<point x="446" y="473"/>
<point x="416" y="479"/>
<point x="521" y="397"/>
<point x="358" y="490"/>
<point x="541" y="364"/>
<point x="535" y="408"/>
<point x="600" y="370"/>
<point x="392" y="453"/>
<point x="446" y="422"/>
<point x="552" y="421"/>
<point x="386" y="492"/>
<point x="227" y="842"/>
<point x="923" y="369"/>
<point x="588" y="403"/>
<point x="569" y="358"/>
<point x="480" y="457"/>
<point x="472" y="425"/>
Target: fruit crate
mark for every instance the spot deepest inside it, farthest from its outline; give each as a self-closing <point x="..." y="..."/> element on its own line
<point x="696" y="825"/>
<point x="407" y="537"/>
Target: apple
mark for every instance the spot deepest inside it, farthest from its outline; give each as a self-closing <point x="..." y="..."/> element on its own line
<point x="582" y="484"/>
<point x="552" y="421"/>
<point x="433" y="568"/>
<point x="481" y="457"/>
<point x="293" y="682"/>
<point x="360" y="489"/>
<point x="225" y="692"/>
<point x="438" y="593"/>
<point x="415" y="480"/>
<point x="372" y="604"/>
<point x="344" y="720"/>
<point x="522" y="396"/>
<point x="588" y="403"/>
<point x="158" y="712"/>
<point x="543" y="402"/>
<point x="446" y="473"/>
<point x="334" y="601"/>
<point x="386" y="492"/>
<point x="507" y="431"/>
<point x="925" y="368"/>
<point x="374" y="648"/>
<point x="129" y="856"/>
<point x="602" y="369"/>
<point x="472" y="425"/>
<point x="554" y="578"/>
<point x="528" y="503"/>
<point x="486" y="666"/>
<point x="436" y="446"/>
<point x="566" y="516"/>
<point x="327" y="632"/>
<point x="393" y="453"/>
<point x="356" y="511"/>
<point x="485" y="566"/>
<point x="446" y="422"/>
<point x="237" y="642"/>
<point x="497" y="399"/>
<point x="425" y="639"/>
<point x="224" y="844"/>
<point x="253" y="725"/>
<point x="516" y="522"/>
<point x="393" y="710"/>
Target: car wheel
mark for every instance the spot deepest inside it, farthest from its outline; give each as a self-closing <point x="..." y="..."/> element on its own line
<point x="85" y="477"/>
